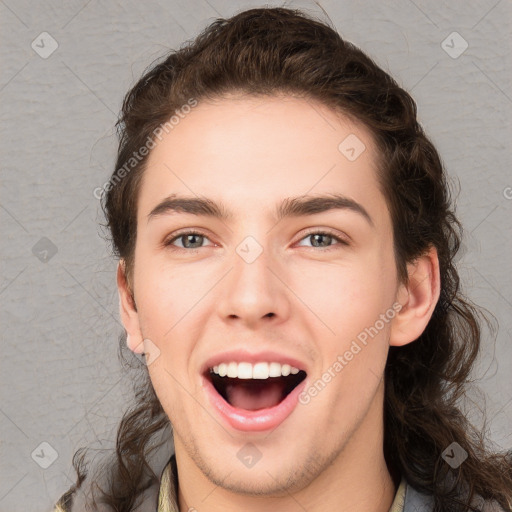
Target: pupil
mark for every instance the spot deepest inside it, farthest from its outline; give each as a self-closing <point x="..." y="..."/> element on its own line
<point x="187" y="237"/>
<point x="316" y="235"/>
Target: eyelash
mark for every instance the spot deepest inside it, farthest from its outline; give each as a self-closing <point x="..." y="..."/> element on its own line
<point x="180" y="234"/>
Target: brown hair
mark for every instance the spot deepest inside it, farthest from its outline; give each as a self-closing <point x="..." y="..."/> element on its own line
<point x="276" y="50"/>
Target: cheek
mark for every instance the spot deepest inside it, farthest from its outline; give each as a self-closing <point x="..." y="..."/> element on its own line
<point x="166" y="318"/>
<point x="350" y="335"/>
<point x="170" y="302"/>
<point x="346" y="298"/>
<point x="166" y="295"/>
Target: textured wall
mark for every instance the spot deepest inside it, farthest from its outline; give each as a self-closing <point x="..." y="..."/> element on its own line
<point x="60" y="378"/>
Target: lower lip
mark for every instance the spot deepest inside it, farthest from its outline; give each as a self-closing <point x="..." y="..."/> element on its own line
<point x="254" y="421"/>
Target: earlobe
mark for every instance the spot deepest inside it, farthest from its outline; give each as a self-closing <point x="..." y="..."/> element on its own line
<point x="418" y="298"/>
<point x="128" y="311"/>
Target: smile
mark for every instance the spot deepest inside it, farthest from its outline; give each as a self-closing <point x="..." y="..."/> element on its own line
<point x="254" y="396"/>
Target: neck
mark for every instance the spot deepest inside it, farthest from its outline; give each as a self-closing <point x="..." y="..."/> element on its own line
<point x="358" y="480"/>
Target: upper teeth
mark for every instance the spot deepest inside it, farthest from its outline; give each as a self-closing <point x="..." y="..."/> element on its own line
<point x="254" y="371"/>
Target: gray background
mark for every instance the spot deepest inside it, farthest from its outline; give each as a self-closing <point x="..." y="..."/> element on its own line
<point x="60" y="378"/>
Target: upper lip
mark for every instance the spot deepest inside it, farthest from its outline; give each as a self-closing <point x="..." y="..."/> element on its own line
<point x="244" y="355"/>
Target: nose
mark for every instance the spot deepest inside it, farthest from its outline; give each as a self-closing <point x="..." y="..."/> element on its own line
<point x="254" y="292"/>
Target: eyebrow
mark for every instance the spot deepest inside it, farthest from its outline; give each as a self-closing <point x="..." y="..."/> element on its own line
<point x="299" y="206"/>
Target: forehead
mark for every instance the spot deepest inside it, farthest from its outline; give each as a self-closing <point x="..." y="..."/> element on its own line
<point x="250" y="152"/>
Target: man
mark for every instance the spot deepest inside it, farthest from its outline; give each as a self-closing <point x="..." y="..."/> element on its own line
<point x="282" y="256"/>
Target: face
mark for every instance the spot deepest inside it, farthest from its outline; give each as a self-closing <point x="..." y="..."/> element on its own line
<point x="269" y="332"/>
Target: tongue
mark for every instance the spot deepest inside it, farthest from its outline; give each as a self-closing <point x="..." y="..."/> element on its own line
<point x="253" y="394"/>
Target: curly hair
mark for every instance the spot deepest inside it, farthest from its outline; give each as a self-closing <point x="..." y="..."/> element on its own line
<point x="269" y="51"/>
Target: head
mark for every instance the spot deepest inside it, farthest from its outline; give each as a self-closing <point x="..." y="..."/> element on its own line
<point x="256" y="282"/>
<point x="320" y="225"/>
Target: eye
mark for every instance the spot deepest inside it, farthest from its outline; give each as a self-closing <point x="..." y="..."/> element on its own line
<point x="194" y="240"/>
<point x="190" y="240"/>
<point x="323" y="239"/>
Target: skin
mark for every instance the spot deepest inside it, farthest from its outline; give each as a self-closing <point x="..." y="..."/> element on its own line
<point x="250" y="153"/>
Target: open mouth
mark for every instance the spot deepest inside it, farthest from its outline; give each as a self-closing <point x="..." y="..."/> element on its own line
<point x="253" y="387"/>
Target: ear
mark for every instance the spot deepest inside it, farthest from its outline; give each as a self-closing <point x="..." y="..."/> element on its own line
<point x="418" y="299"/>
<point x="128" y="311"/>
